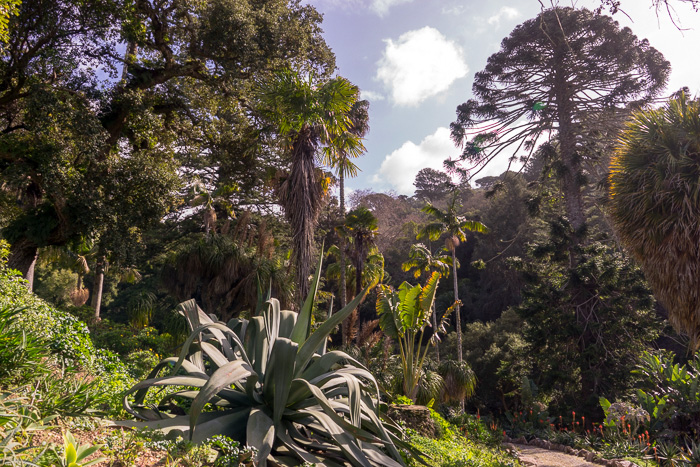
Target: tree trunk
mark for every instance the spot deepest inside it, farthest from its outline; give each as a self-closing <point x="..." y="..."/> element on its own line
<point x="343" y="279"/>
<point x="23" y="254"/>
<point x="97" y="288"/>
<point x="458" y="319"/>
<point x="435" y="330"/>
<point x="571" y="177"/>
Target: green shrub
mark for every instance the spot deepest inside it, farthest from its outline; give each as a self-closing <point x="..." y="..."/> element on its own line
<point x="21" y="354"/>
<point x="670" y="395"/>
<point x="453" y="449"/>
<point x="18" y="419"/>
<point x="61" y="334"/>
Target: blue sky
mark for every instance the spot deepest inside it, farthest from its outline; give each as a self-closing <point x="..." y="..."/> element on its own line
<point x="415" y="60"/>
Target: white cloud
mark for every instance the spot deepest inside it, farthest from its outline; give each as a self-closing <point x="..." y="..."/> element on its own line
<point x="381" y="7"/>
<point x="505" y="12"/>
<point x="372" y="96"/>
<point x="400" y="168"/>
<point x="421" y="64"/>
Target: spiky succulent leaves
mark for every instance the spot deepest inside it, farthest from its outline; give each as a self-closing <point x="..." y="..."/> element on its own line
<point x="308" y="348"/>
<point x="303" y="324"/>
<point x="261" y="434"/>
<point x="285" y="401"/>
<point x="323" y="348"/>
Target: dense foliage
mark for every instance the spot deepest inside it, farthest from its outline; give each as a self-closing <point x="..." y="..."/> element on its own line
<point x="655" y="200"/>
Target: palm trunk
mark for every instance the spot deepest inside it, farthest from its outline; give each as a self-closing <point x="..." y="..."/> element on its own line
<point x="458" y="319"/>
<point x="343" y="279"/>
<point x="435" y="330"/>
<point x="97" y="288"/>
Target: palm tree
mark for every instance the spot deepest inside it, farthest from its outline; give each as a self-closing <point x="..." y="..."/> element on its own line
<point x="655" y="199"/>
<point x="421" y="260"/>
<point x="345" y="146"/>
<point x="453" y="227"/>
<point x="360" y="228"/>
<point x="308" y="114"/>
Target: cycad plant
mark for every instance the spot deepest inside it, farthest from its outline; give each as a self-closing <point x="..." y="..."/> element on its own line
<point x="655" y="198"/>
<point x="269" y="382"/>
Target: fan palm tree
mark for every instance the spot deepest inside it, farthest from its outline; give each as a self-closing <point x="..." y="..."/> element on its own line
<point x="655" y="199"/>
<point x="345" y="146"/>
<point x="308" y="114"/>
<point x="360" y="228"/>
<point x="420" y="260"/>
<point x="452" y="226"/>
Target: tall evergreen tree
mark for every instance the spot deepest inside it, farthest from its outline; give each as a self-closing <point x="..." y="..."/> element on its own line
<point x="559" y="75"/>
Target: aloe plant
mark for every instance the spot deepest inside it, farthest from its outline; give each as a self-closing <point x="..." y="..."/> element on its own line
<point x="270" y="383"/>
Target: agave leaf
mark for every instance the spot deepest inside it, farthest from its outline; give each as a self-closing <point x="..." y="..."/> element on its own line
<point x="257" y="344"/>
<point x="322" y="349"/>
<point x="145" y="385"/>
<point x="303" y="326"/>
<point x="308" y="348"/>
<point x="377" y="456"/>
<point x="284" y="436"/>
<point x="224" y="330"/>
<point x="86" y="451"/>
<point x="271" y="315"/>
<point x="260" y="434"/>
<point x="71" y="454"/>
<point x="221" y="378"/>
<point x="209" y="424"/>
<point x="288" y="320"/>
<point x="196" y="318"/>
<point x="325" y="362"/>
<point x="214" y="354"/>
<point x="278" y="378"/>
<point x="346" y="442"/>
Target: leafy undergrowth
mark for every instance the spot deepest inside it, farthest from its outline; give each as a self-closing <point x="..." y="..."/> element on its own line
<point x="479" y="448"/>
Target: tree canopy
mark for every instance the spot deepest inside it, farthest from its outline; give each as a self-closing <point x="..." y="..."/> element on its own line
<point x="557" y="78"/>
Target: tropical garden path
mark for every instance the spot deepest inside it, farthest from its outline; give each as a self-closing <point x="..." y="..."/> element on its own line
<point x="539" y="457"/>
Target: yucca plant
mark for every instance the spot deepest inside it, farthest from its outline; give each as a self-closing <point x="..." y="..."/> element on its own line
<point x="655" y="200"/>
<point x="269" y="383"/>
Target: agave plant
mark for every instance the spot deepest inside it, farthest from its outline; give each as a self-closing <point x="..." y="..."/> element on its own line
<point x="269" y="382"/>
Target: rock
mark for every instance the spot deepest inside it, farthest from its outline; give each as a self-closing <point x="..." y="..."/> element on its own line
<point x="589" y="456"/>
<point x="546" y="444"/>
<point x="521" y="440"/>
<point x="570" y="450"/>
<point x="416" y="417"/>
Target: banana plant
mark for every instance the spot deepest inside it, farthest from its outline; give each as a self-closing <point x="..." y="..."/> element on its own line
<point x="404" y="314"/>
<point x="268" y="382"/>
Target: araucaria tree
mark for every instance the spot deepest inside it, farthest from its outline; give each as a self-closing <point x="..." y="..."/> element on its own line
<point x="558" y="76"/>
<point x="655" y="199"/>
